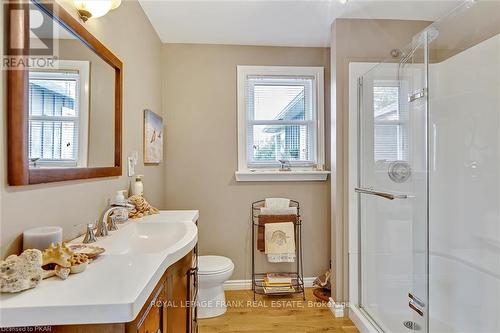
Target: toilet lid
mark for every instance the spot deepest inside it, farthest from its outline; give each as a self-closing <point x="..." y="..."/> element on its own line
<point x="214" y="264"/>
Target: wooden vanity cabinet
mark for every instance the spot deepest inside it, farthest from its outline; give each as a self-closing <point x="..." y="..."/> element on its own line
<point x="169" y="308"/>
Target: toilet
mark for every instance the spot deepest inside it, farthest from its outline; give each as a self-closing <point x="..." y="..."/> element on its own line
<point x="213" y="271"/>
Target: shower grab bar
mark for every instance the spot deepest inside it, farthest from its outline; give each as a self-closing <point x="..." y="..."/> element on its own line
<point x="385" y="195"/>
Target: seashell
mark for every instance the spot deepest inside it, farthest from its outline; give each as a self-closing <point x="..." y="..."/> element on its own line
<point x="62" y="272"/>
<point x="142" y="207"/>
<point x="91" y="251"/>
<point x="79" y="263"/>
<point x="47" y="274"/>
<point x="58" y="254"/>
<point x="18" y="273"/>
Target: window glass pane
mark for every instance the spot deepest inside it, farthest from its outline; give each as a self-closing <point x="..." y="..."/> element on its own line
<point x="386" y="142"/>
<point x="279" y="102"/>
<point x="391" y="135"/>
<point x="386" y="103"/>
<point x="276" y="142"/>
<point x="53" y="140"/>
<point x="53" y="97"/>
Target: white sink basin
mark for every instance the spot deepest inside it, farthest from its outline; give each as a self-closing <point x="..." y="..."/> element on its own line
<point x="145" y="237"/>
<point x="137" y="255"/>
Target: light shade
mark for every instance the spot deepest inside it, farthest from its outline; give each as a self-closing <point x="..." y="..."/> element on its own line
<point x="93" y="8"/>
<point x="115" y="3"/>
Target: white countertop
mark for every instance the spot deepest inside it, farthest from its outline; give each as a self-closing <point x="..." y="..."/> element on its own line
<point x="114" y="287"/>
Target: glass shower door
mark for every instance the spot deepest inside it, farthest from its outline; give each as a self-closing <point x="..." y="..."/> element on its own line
<point x="392" y="193"/>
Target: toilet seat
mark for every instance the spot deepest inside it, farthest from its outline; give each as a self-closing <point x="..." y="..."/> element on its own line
<point x="209" y="265"/>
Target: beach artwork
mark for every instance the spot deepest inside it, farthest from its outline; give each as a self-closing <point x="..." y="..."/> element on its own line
<point x="153" y="138"/>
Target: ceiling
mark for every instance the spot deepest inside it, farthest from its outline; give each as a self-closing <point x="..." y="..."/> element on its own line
<point x="274" y="22"/>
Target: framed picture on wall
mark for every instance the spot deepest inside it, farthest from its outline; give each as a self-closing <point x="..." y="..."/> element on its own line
<point x="153" y="138"/>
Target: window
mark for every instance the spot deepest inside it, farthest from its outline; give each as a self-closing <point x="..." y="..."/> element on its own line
<point x="280" y="117"/>
<point x="58" y="115"/>
<point x="390" y="122"/>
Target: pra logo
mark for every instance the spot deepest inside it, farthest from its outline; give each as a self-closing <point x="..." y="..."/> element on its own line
<point x="31" y="36"/>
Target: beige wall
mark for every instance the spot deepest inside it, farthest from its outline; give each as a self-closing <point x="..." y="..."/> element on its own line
<point x="354" y="40"/>
<point x="128" y="33"/>
<point x="199" y="90"/>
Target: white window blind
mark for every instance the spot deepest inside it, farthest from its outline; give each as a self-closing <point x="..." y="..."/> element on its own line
<point x="281" y="120"/>
<point x="390" y="122"/>
<point x="54" y="117"/>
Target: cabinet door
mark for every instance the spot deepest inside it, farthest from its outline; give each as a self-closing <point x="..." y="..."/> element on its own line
<point x="193" y="293"/>
<point x="153" y="319"/>
<point x="178" y="306"/>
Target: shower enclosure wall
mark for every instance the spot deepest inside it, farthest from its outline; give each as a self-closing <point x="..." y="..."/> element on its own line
<point x="424" y="229"/>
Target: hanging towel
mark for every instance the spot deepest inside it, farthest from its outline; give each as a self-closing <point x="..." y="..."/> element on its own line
<point x="280" y="242"/>
<point x="263" y="219"/>
<point x="277" y="203"/>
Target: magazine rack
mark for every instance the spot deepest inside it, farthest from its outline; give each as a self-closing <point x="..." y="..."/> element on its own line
<point x="296" y="275"/>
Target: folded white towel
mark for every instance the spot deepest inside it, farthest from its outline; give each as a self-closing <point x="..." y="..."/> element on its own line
<point x="277" y="203"/>
<point x="283" y="257"/>
<point x="280" y="242"/>
<point x="278" y="211"/>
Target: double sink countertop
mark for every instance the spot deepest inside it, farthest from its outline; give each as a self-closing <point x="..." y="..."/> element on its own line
<point x="115" y="286"/>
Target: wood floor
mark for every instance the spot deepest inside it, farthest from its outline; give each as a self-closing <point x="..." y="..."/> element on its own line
<point x="271" y="314"/>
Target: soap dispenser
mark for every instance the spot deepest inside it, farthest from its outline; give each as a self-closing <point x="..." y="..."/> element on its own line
<point x="121" y="214"/>
<point x="120" y="198"/>
<point x="138" y="186"/>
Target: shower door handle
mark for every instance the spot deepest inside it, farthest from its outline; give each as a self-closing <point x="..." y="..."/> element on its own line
<point x="416" y="308"/>
<point x="389" y="196"/>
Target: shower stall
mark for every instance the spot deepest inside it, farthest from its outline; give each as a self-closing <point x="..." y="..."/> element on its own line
<point x="424" y="228"/>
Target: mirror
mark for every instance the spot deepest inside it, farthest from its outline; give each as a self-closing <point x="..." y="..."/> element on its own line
<point x="71" y="102"/>
<point x="71" y="124"/>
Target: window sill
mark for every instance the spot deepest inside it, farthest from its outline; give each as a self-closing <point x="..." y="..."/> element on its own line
<point x="280" y="176"/>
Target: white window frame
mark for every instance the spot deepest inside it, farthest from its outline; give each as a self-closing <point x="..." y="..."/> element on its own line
<point x="310" y="170"/>
<point x="83" y="69"/>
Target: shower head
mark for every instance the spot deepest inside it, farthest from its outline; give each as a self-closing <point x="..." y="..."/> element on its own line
<point x="432" y="33"/>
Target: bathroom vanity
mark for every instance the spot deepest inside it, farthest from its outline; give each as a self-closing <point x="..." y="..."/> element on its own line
<point x="146" y="281"/>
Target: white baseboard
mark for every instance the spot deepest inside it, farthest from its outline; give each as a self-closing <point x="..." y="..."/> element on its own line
<point x="247" y="284"/>
<point x="238" y="285"/>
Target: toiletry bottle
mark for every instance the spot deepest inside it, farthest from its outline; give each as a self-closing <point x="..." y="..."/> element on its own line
<point x="138" y="186"/>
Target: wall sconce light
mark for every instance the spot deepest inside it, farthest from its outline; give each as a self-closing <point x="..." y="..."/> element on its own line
<point x="95" y="8"/>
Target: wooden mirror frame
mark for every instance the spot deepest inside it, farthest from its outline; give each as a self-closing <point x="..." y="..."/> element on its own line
<point x="19" y="171"/>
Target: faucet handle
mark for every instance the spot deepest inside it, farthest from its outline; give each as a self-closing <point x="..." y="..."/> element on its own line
<point x="89" y="235"/>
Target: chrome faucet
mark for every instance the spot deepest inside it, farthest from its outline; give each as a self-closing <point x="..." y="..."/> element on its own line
<point x="103" y="226"/>
<point x="285" y="165"/>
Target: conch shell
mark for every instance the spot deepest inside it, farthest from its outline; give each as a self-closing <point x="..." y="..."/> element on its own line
<point x="142" y="207"/>
<point x="58" y="254"/>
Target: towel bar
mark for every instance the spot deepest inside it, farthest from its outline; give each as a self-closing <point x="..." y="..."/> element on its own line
<point x="385" y="195"/>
